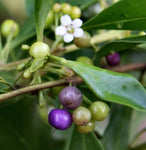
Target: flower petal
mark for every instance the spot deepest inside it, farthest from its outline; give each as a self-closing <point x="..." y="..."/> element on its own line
<point x="60" y="30"/>
<point x="77" y="23"/>
<point x="66" y="20"/>
<point x="78" y="32"/>
<point x="68" y="37"/>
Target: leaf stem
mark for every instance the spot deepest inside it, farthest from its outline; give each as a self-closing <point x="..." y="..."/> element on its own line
<point x="85" y="99"/>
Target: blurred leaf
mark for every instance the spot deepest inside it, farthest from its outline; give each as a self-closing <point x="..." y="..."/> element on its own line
<point x="109" y="86"/>
<point x="21" y="127"/>
<point x="140" y="147"/>
<point x="18" y="125"/>
<point x="132" y="16"/>
<point x="27" y="31"/>
<point x="29" y="7"/>
<point x="83" y="141"/>
<point x="117" y="134"/>
<point x="121" y="44"/>
<point x="42" y="8"/>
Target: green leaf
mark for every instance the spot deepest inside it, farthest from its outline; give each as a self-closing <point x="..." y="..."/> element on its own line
<point x="117" y="134"/>
<point x="121" y="44"/>
<point x="29" y="4"/>
<point x="109" y="86"/>
<point x="42" y="8"/>
<point x="140" y="147"/>
<point x="21" y="127"/>
<point x="27" y="31"/>
<point x="125" y="14"/>
<point x="83" y="141"/>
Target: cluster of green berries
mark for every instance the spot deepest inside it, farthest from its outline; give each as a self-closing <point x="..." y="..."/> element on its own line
<point x="62" y="9"/>
<point x="9" y="27"/>
<point x="84" y="118"/>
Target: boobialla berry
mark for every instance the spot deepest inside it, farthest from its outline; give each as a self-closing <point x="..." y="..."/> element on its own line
<point x="85" y="59"/>
<point x="39" y="50"/>
<point x="87" y="128"/>
<point x="70" y="97"/>
<point x="9" y="27"/>
<point x="60" y="119"/>
<point x="99" y="110"/>
<point x="81" y="116"/>
<point x="83" y="41"/>
<point x="113" y="59"/>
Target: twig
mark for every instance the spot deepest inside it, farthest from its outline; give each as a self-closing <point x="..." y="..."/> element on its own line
<point x="75" y="80"/>
<point x="128" y="67"/>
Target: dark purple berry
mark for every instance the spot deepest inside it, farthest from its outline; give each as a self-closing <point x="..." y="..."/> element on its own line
<point x="70" y="97"/>
<point x="60" y="119"/>
<point x="113" y="59"/>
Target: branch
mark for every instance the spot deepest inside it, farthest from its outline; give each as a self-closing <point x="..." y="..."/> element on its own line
<point x="129" y="67"/>
<point x="74" y="80"/>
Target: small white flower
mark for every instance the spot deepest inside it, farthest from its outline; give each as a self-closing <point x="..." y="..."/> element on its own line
<point x="69" y="29"/>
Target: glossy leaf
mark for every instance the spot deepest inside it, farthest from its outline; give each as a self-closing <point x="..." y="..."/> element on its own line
<point x="125" y="14"/>
<point x="121" y="44"/>
<point x="110" y="86"/>
<point x="83" y="141"/>
<point x="118" y="130"/>
<point x="42" y="8"/>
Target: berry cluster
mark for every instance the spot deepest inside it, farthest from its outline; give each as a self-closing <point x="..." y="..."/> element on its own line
<point x="62" y="9"/>
<point x="71" y="98"/>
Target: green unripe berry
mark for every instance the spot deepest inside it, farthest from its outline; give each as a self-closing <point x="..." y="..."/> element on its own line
<point x="25" y="47"/>
<point x="88" y="128"/>
<point x="9" y="27"/>
<point x="75" y="12"/>
<point x="99" y="110"/>
<point x="83" y="41"/>
<point x="21" y="66"/>
<point x="66" y="8"/>
<point x="39" y="50"/>
<point x="81" y="116"/>
<point x="56" y="7"/>
<point x="85" y="60"/>
<point x="50" y="19"/>
<point x="27" y="74"/>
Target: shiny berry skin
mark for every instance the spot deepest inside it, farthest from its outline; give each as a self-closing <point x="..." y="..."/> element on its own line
<point x="50" y="19"/>
<point x="87" y="128"/>
<point x="99" y="110"/>
<point x="39" y="50"/>
<point x="113" y="59"/>
<point x="81" y="116"/>
<point x="9" y="26"/>
<point x="66" y="8"/>
<point x="56" y="7"/>
<point x="75" y="12"/>
<point x="60" y="119"/>
<point x="70" y="97"/>
<point x="85" y="60"/>
<point x="83" y="41"/>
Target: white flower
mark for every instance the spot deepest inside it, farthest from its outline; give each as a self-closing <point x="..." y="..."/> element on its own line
<point x="69" y="29"/>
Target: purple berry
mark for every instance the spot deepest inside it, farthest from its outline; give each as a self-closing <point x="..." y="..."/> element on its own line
<point x="70" y="97"/>
<point x="60" y="119"/>
<point x="113" y="59"/>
